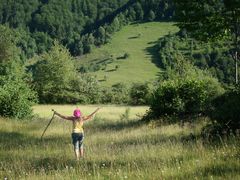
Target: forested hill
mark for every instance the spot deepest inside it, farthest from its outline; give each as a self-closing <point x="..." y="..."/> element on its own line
<point x="77" y="24"/>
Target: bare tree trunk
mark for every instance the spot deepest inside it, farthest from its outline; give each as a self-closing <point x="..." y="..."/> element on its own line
<point x="236" y="32"/>
<point x="236" y="66"/>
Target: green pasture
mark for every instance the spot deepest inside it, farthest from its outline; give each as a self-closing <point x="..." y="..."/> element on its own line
<point x="115" y="148"/>
<point x="138" y="40"/>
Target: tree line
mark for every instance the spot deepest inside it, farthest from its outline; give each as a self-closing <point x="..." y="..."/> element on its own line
<point x="213" y="56"/>
<point x="77" y="24"/>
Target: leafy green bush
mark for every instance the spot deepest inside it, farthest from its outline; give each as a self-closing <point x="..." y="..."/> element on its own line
<point x="226" y="110"/>
<point x="16" y="99"/>
<point x="85" y="89"/>
<point x="139" y="94"/>
<point x="120" y="94"/>
<point x="182" y="98"/>
<point x="117" y="94"/>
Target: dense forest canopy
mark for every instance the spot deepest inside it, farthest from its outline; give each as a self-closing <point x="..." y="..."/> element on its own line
<point x="77" y="24"/>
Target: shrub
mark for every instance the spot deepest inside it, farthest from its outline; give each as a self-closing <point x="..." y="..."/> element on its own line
<point x="166" y="100"/>
<point x="126" y="115"/>
<point x="116" y="67"/>
<point x="126" y="55"/>
<point x="83" y="69"/>
<point x="16" y="99"/>
<point x="120" y="94"/>
<point x="84" y="89"/>
<point x="107" y="96"/>
<point x="225" y="110"/>
<point x="139" y="94"/>
<point x="182" y="98"/>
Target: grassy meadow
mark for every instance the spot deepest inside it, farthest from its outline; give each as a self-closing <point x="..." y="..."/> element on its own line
<point x="115" y="148"/>
<point x="138" y="40"/>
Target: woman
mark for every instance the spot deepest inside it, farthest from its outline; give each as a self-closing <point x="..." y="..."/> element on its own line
<point x="77" y="132"/>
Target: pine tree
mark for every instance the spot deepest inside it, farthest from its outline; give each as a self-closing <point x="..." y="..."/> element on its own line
<point x="151" y="16"/>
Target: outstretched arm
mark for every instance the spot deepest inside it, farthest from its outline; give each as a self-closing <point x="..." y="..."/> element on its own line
<point x="90" y="116"/>
<point x="70" y="118"/>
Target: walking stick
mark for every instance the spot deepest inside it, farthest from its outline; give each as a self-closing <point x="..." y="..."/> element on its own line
<point x="48" y="124"/>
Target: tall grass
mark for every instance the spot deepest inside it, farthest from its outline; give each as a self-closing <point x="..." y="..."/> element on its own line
<point x="115" y="149"/>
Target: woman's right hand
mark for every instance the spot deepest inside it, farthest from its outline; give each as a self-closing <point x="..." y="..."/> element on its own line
<point x="54" y="112"/>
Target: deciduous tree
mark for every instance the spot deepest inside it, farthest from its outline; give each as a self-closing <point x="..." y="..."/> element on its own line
<point x="211" y="19"/>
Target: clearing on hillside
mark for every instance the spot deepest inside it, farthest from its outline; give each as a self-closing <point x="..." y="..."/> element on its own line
<point x="130" y="56"/>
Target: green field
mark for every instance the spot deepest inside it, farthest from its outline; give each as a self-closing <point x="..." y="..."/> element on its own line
<point x="115" y="149"/>
<point x="138" y="40"/>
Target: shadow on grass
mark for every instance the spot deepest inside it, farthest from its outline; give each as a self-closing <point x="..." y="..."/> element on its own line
<point x="223" y="171"/>
<point x="120" y="57"/>
<point x="111" y="70"/>
<point x="218" y="170"/>
<point x="115" y="126"/>
<point x="52" y="163"/>
<point x="158" y="139"/>
<point x="87" y="166"/>
<point x="150" y="140"/>
<point x="49" y="164"/>
<point x="13" y="140"/>
<point x="10" y="140"/>
<point x="153" y="51"/>
<point x="104" y="60"/>
<point x="134" y="37"/>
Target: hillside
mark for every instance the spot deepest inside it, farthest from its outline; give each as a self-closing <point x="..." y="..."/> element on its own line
<point x="77" y="24"/>
<point x="138" y="41"/>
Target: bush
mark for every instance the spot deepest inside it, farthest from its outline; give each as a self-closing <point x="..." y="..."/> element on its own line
<point x="118" y="94"/>
<point x="84" y="89"/>
<point x="126" y="55"/>
<point x="139" y="94"/>
<point x="225" y="110"/>
<point x="182" y="98"/>
<point x="16" y="99"/>
<point x="107" y="96"/>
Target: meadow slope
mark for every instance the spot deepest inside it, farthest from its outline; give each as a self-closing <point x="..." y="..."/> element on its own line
<point x="115" y="149"/>
<point x="138" y="40"/>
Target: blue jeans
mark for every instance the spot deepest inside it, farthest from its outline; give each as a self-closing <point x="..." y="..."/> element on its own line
<point x="77" y="140"/>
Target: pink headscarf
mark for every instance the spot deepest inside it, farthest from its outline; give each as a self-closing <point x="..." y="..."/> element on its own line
<point x="77" y="113"/>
